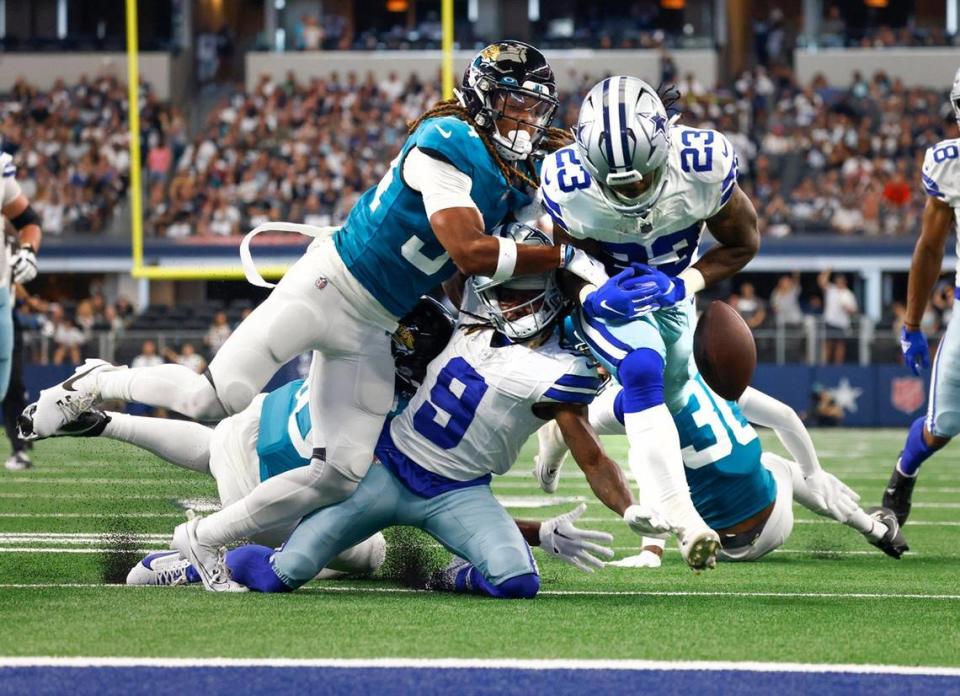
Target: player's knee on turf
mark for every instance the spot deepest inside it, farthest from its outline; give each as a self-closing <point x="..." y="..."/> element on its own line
<point x="641" y="376"/>
<point x="504" y="567"/>
<point x="519" y="587"/>
<point x="250" y="566"/>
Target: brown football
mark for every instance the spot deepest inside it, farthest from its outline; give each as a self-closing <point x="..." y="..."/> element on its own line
<point x="724" y="349"/>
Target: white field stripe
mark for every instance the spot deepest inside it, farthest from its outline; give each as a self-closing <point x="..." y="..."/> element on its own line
<point x="27" y="549"/>
<point x="474" y="663"/>
<point x="819" y="520"/>
<point x="87" y="515"/>
<point x="333" y="589"/>
<point x="82" y="480"/>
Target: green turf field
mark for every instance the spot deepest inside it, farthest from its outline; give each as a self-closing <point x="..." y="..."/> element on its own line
<point x="826" y="597"/>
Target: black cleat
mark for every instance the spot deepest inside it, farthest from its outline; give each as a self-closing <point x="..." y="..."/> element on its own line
<point x="88" y="424"/>
<point x="897" y="495"/>
<point x="892" y="543"/>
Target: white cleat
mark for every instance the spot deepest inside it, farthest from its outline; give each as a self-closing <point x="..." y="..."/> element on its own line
<point x="64" y="402"/>
<point x="166" y="568"/>
<point x="699" y="548"/>
<point x="548" y="477"/>
<point x="18" y="461"/>
<point x="208" y="561"/>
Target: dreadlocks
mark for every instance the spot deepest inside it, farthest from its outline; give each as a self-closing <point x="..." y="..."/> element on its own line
<point x="554" y="138"/>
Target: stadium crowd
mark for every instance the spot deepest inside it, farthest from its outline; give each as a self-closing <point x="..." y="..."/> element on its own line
<point x="814" y="158"/>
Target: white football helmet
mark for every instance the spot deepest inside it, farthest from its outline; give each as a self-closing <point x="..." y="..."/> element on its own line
<point x="623" y="137"/>
<point x="521" y="307"/>
<point x="955" y="95"/>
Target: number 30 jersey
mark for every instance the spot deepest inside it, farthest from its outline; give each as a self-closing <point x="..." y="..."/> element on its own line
<point x="701" y="177"/>
<point x="474" y="410"/>
<point x="941" y="179"/>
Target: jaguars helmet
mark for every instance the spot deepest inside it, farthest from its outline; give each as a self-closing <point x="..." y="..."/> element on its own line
<point x="524" y="306"/>
<point x="510" y="82"/>
<point x="623" y="137"/>
<point x="421" y="336"/>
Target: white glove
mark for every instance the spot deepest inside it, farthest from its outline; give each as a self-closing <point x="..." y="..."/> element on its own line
<point x="582" y="265"/>
<point x="23" y="265"/>
<point x="560" y="538"/>
<point x="647" y="521"/>
<point x="831" y="497"/>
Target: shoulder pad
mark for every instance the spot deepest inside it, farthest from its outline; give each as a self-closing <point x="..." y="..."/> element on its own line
<point x="561" y="177"/>
<point x="709" y="162"/>
<point x="940" y="176"/>
<point x="452" y="140"/>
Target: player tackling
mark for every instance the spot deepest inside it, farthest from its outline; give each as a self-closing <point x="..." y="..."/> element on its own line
<point x="929" y="433"/>
<point x="640" y="190"/>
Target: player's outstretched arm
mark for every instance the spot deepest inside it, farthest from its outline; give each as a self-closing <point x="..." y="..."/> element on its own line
<point x="559" y="537"/>
<point x="735" y="229"/>
<point x="604" y="475"/>
<point x="927" y="258"/>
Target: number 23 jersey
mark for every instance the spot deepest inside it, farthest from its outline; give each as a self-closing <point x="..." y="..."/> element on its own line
<point x="701" y="177"/>
<point x="474" y="410"/>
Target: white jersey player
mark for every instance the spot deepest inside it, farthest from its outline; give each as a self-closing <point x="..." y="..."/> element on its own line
<point x="638" y="190"/>
<point x="929" y="433"/>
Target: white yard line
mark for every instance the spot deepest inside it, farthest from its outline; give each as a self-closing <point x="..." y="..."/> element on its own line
<point x="475" y="663"/>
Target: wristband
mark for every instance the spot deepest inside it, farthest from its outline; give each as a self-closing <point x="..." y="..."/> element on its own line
<point x="693" y="281"/>
<point x="507" y="261"/>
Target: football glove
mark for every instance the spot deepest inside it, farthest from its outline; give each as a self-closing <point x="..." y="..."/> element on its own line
<point x="582" y="265"/>
<point x="658" y="289"/>
<point x="916" y="353"/>
<point x="647" y="521"/>
<point x="23" y="265"/>
<point x="831" y="497"/>
<point x="619" y="299"/>
<point x="560" y="538"/>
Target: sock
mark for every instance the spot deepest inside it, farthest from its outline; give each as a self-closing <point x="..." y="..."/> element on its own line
<point x="655" y="459"/>
<point x="250" y="566"/>
<point x="870" y="527"/>
<point x="174" y="387"/>
<point x="915" y="450"/>
<point x="192" y="574"/>
<point x="183" y="443"/>
<point x="651" y="541"/>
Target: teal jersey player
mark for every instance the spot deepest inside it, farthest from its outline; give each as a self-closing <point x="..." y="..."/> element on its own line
<point x="387" y="242"/>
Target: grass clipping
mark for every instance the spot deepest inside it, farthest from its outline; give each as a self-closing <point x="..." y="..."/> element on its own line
<point x="412" y="557"/>
<point x="120" y="553"/>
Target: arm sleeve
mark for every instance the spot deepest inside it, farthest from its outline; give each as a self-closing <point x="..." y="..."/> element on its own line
<point x="764" y="410"/>
<point x="441" y="184"/>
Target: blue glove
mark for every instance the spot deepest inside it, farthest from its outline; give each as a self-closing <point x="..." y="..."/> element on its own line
<point x="659" y="290"/>
<point x="616" y="300"/>
<point x="916" y="353"/>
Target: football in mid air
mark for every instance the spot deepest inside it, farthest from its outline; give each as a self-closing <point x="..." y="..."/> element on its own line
<point x="724" y="350"/>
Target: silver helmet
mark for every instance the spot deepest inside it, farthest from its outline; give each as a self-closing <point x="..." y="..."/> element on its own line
<point x="623" y="136"/>
<point x="521" y="307"/>
<point x="955" y="95"/>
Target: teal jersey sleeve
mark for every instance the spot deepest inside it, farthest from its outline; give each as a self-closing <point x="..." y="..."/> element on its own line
<point x="284" y="439"/>
<point x="456" y="142"/>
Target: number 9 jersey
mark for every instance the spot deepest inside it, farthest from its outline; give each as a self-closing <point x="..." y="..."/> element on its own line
<point x="941" y="179"/>
<point x="701" y="176"/>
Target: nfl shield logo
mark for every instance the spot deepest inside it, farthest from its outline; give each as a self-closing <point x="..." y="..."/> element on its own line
<point x="907" y="394"/>
<point x="321" y="283"/>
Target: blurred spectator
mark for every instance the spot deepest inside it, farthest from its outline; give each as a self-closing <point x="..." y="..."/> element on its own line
<point x="218" y="333"/>
<point x="839" y="307"/>
<point x="785" y="300"/>
<point x="148" y="356"/>
<point x="69" y="340"/>
<point x="188" y="357"/>
<point x="750" y="307"/>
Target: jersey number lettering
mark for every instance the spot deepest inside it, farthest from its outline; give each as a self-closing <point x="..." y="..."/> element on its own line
<point x="384" y="184"/>
<point x="573" y="177"/>
<point x="411" y="252"/>
<point x="454" y="399"/>
<point x="697" y="154"/>
<point x="713" y="424"/>
<point x="946" y="152"/>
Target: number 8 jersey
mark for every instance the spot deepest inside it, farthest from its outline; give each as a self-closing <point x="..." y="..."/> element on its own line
<point x="941" y="179"/>
<point x="474" y="410"/>
<point x="702" y="173"/>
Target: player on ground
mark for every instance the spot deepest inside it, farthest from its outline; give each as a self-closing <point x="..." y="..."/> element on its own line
<point x="484" y="395"/>
<point x="642" y="190"/>
<point x="20" y="266"/>
<point x="929" y="433"/>
<point x="463" y="168"/>
<point x="743" y="493"/>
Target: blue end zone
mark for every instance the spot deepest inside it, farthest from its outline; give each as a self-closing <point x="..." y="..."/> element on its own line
<point x="176" y="681"/>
